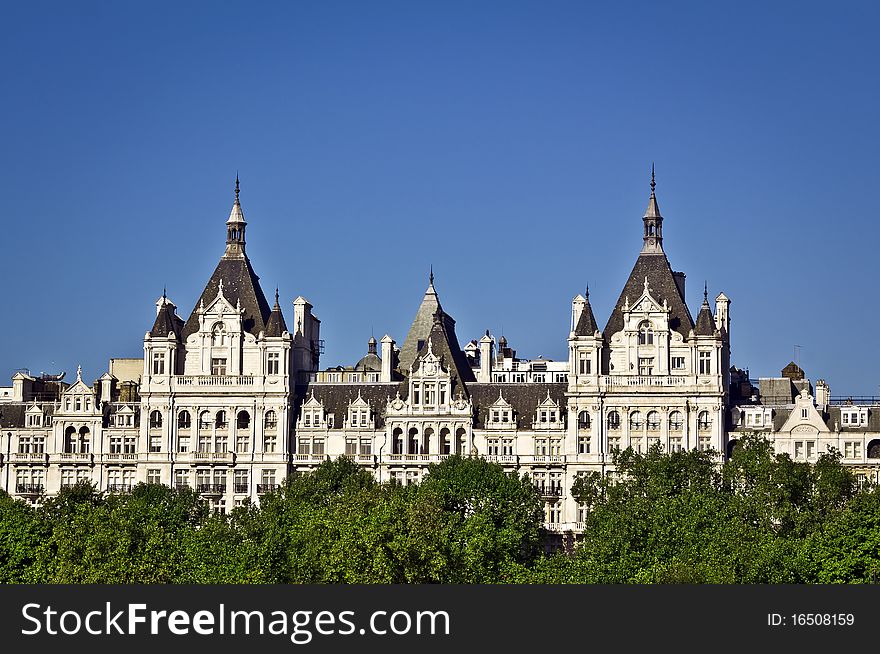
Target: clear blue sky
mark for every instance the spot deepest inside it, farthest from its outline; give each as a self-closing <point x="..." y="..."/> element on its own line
<point x="508" y="144"/>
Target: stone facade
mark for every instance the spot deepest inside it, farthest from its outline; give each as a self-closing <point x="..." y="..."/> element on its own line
<point x="230" y="401"/>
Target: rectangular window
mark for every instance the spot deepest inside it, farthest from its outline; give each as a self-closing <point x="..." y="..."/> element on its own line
<point x="350" y="447"/>
<point x="518" y="378"/>
<point x="267" y="478"/>
<point x="492" y="447"/>
<point x="583" y="444"/>
<point x="539" y="378"/>
<point x="366" y="447"/>
<point x="155" y="443"/>
<point x="183" y="444"/>
<point x="154" y="475"/>
<point x="218" y="366"/>
<point x="675" y="444"/>
<point x="181" y="478"/>
<point x="242" y="443"/>
<point x="804" y="414"/>
<point x="158" y="363"/>
<point x="318" y="447"/>
<point x="273" y="363"/>
<point x="269" y="441"/>
<point x="240" y="481"/>
<point x="799" y="450"/>
<point x="646" y="366"/>
<point x="115" y="445"/>
<point x="507" y="447"/>
<point x="811" y="449"/>
<point x="584" y="363"/>
<point x="705" y="363"/>
<point x="678" y="363"/>
<point x="541" y="447"/>
<point x="129" y="446"/>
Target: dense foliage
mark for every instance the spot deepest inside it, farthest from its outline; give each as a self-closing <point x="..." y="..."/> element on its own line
<point x="661" y="518"/>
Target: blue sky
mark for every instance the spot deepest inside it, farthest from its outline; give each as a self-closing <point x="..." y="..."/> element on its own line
<point x="509" y="145"/>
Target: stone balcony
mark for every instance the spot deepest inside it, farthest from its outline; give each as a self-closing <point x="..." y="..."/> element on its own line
<point x="648" y="381"/>
<point x="29" y="457"/>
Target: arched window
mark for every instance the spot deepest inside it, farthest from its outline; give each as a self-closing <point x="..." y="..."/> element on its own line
<point x="221" y="421"/>
<point x="413" y="444"/>
<point x="635" y="420"/>
<point x="676" y="421"/>
<point x="613" y="420"/>
<point x="460" y="440"/>
<point x="445" y="441"/>
<point x="646" y="334"/>
<point x="653" y="420"/>
<point x="205" y="420"/>
<point x="397" y="441"/>
<point x="426" y="441"/>
<point x="703" y="421"/>
<point x="583" y="420"/>
<point x="270" y="420"/>
<point x="244" y="420"/>
<point x="70" y="440"/>
<point x="218" y="334"/>
<point x="85" y="437"/>
<point x="184" y="420"/>
<point x="155" y="419"/>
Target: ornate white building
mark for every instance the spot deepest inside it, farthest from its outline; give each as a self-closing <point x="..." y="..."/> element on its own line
<point x="230" y="400"/>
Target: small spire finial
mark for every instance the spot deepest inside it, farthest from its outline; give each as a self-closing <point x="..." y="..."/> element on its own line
<point x="431" y="276"/>
<point x="706" y="291"/>
<point x="587" y="292"/>
<point x="653" y="183"/>
<point x="164" y="295"/>
<point x="277" y="306"/>
<point x="237" y="189"/>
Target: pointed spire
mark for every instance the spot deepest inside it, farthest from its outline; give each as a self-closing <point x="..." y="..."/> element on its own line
<point x="431" y="277"/>
<point x="235" y="227"/>
<point x="277" y="306"/>
<point x="587" y="292"/>
<point x="706" y="292"/>
<point x="653" y="236"/>
<point x="705" y="325"/>
<point x="238" y="190"/>
<point x="164" y="294"/>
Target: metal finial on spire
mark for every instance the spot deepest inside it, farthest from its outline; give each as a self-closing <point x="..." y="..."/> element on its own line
<point x="164" y="294"/>
<point x="653" y="183"/>
<point x="587" y="292"/>
<point x="431" y="276"/>
<point x="237" y="189"/>
<point x="705" y="291"/>
<point x="277" y="306"/>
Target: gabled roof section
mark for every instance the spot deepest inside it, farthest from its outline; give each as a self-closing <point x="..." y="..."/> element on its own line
<point x="240" y="284"/>
<point x="655" y="267"/>
<point x="705" y="321"/>
<point x="586" y="325"/>
<point x="276" y="326"/>
<point x="167" y="320"/>
<point x="421" y="326"/>
<point x="443" y="344"/>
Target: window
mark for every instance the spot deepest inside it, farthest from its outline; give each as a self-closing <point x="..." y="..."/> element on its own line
<point x="811" y="449"/>
<point x="539" y="378"/>
<point x="517" y="378"/>
<point x="273" y="363"/>
<point x="155" y="419"/>
<point x="676" y="421"/>
<point x="583" y="420"/>
<point x="583" y="363"/>
<point x="541" y="447"/>
<point x="242" y="442"/>
<point x="492" y="446"/>
<point x="318" y="447"/>
<point x="270" y="421"/>
<point x="181" y="479"/>
<point x="646" y="334"/>
<point x="614" y="420"/>
<point x="653" y="420"/>
<point x="240" y="481"/>
<point x="646" y="366"/>
<point x="635" y="420"/>
<point x="35" y="420"/>
<point x="705" y="363"/>
<point x="351" y="446"/>
<point x="243" y="420"/>
<point x="852" y="450"/>
<point x="678" y="363"/>
<point x="269" y="442"/>
<point x="366" y="447"/>
<point x="561" y="377"/>
<point x="703" y="421"/>
<point x="636" y="443"/>
<point x="116" y="445"/>
<point x="128" y="445"/>
<point x="218" y="366"/>
<point x="155" y="443"/>
<point x="506" y="447"/>
<point x="583" y="444"/>
<point x="416" y="394"/>
<point x="805" y="414"/>
<point x="220" y="421"/>
<point x="675" y="444"/>
<point x="613" y="443"/>
<point x="218" y="335"/>
<point x="267" y="477"/>
<point x="154" y="476"/>
<point x="205" y="420"/>
<point x="183" y="444"/>
<point x="799" y="450"/>
<point x="184" y="420"/>
<point x="158" y="363"/>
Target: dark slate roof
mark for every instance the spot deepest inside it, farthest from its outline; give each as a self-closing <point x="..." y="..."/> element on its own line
<point x="167" y="322"/>
<point x="780" y="416"/>
<point x="337" y="397"/>
<point x="705" y="322"/>
<point x="240" y="284"/>
<point x="586" y="325"/>
<point x="662" y="286"/>
<point x="445" y="347"/>
<point x="524" y="398"/>
<point x="369" y="362"/>
<point x="834" y="421"/>
<point x="12" y="415"/>
<point x="421" y="327"/>
<point x="276" y="326"/>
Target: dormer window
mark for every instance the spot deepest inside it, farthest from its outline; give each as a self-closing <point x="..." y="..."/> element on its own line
<point x="646" y="334"/>
<point x="35" y="420"/>
<point x="218" y="335"/>
<point x="854" y="417"/>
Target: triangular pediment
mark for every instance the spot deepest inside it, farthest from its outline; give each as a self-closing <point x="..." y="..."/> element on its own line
<point x="501" y="403"/>
<point x="798" y="424"/>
